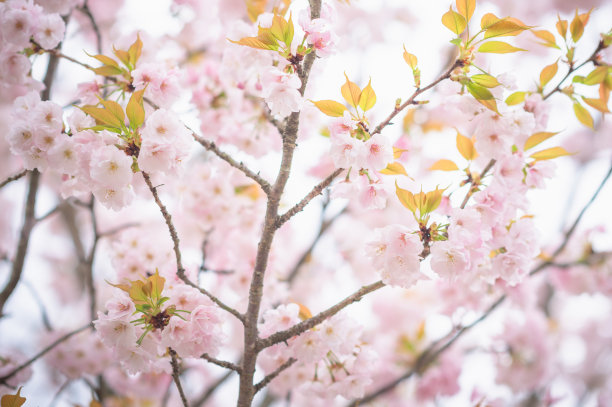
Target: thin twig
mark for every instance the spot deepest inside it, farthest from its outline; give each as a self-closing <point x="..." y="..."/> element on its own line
<point x="264" y="382"/>
<point x="13" y="178"/>
<point x="89" y="277"/>
<point x="316" y="191"/>
<point x="305" y="325"/>
<point x="222" y="363"/>
<point x="473" y="188"/>
<point x="43" y="310"/>
<point x="177" y="251"/>
<point x="34" y="358"/>
<point x="411" y="99"/>
<point x="86" y="10"/>
<point x="118" y="229"/>
<point x="211" y="146"/>
<point x="49" y="213"/>
<point x="176" y="376"/>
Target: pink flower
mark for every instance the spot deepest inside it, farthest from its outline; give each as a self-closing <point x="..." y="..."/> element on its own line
<point x="50" y="31"/>
<point x="111" y="167"/>
<point x="379" y="152"/>
<point x="449" y="260"/>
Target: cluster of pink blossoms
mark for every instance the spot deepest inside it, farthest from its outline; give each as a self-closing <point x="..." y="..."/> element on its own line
<point x="196" y="331"/>
<point x="20" y="22"/>
<point x="319" y="32"/>
<point x="333" y="360"/>
<point x="93" y="161"/>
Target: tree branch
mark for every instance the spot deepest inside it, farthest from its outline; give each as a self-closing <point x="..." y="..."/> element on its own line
<point x="34" y="358"/>
<point x="211" y="146"/>
<point x="176" y="376"/>
<point x="211" y="389"/>
<point x="222" y="363"/>
<point x="13" y="178"/>
<point x="474" y="188"/>
<point x="264" y="382"/>
<point x="316" y="191"/>
<point x="305" y="325"/>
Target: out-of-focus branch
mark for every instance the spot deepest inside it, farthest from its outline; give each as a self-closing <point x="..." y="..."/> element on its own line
<point x="176" y="376"/>
<point x="13" y="178"/>
<point x="87" y="11"/>
<point x="264" y="382"/>
<point x="222" y="363"/>
<point x="211" y="389"/>
<point x="474" y="188"/>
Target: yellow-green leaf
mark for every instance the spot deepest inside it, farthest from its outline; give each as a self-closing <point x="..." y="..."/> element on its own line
<point x="278" y="28"/>
<point x="12" y="400"/>
<point x="548" y="73"/>
<point x="123" y="56"/>
<point x="432" y="200"/>
<point x="104" y="59"/>
<point x="547" y="37"/>
<point x="583" y="115"/>
<point x="397" y="152"/>
<point x="454" y="21"/>
<point x="465" y="146"/>
<point x="351" y="92"/>
<point x="466" y="8"/>
<point x="134" y="51"/>
<point x="157" y="284"/>
<point x="255" y="8"/>
<point x="107" y="70"/>
<point x="576" y="27"/>
<point x="538" y="138"/>
<point x="395" y="168"/>
<point x="598" y="75"/>
<point x="135" y="109"/>
<point x="406" y="198"/>
<point x="597" y="104"/>
<point x="289" y="32"/>
<point x="498" y="47"/>
<point x="483" y="95"/>
<point x="444" y="165"/>
<point x="561" y="26"/>
<point x="114" y="108"/>
<point x="549" y="154"/>
<point x="516" y="98"/>
<point x="102" y="116"/>
<point x="505" y="27"/>
<point x="330" y="107"/>
<point x="485" y="80"/>
<point x="367" y="99"/>
<point x="410" y="59"/>
<point x="255" y="42"/>
<point x="488" y="20"/>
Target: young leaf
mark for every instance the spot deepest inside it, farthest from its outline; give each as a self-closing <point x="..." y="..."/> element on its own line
<point x="444" y="165"/>
<point x="102" y="116"/>
<point x="549" y="153"/>
<point x="397" y="152"/>
<point x="498" y="47"/>
<point x="278" y="28"/>
<point x="134" y="51"/>
<point x="583" y="115"/>
<point x="115" y="109"/>
<point x="465" y="146"/>
<point x="135" y="109"/>
<point x="598" y="75"/>
<point x="505" y="27"/>
<point x="483" y="95"/>
<point x="289" y="32"/>
<point x="367" y="99"/>
<point x="547" y="37"/>
<point x="597" y="104"/>
<point x="485" y="80"/>
<point x="548" y="73"/>
<point x="395" y="168"/>
<point x="104" y="59"/>
<point x="561" y="26"/>
<point x="576" y="27"/>
<point x="351" y="92"/>
<point x="406" y="198"/>
<point x="257" y="43"/>
<point x="12" y="400"/>
<point x="537" y="138"/>
<point x="432" y="200"/>
<point x="516" y="98"/>
<point x="454" y="21"/>
<point x="488" y="20"/>
<point x="123" y="56"/>
<point x="410" y="59"/>
<point x="157" y="285"/>
<point x="255" y="8"/>
<point x="107" y="70"/>
<point x="466" y="8"/>
<point x="330" y="107"/>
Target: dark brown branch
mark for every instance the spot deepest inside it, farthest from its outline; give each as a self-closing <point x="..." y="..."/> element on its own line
<point x="222" y="363"/>
<point x="316" y="191"/>
<point x="40" y="354"/>
<point x="177" y="251"/>
<point x="211" y="146"/>
<point x="13" y="178"/>
<point x="412" y="98"/>
<point x="320" y="317"/>
<point x="176" y="373"/>
<point x="264" y="382"/>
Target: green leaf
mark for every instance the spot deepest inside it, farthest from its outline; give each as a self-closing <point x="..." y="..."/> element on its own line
<point x="485" y="80"/>
<point x="115" y="109"/>
<point x="498" y="47"/>
<point x="516" y="98"/>
<point x="135" y="109"/>
<point x="123" y="56"/>
<point x="583" y="115"/>
<point x="538" y="138"/>
<point x="107" y="70"/>
<point x="548" y="73"/>
<point x="104" y="59"/>
<point x="255" y="42"/>
<point x="466" y="8"/>
<point x="351" y="92"/>
<point x="444" y="165"/>
<point x="367" y="99"/>
<point x="13" y="400"/>
<point x="597" y="76"/>
<point x="330" y="107"/>
<point x="289" y="32"/>
<point x="576" y="27"/>
<point x="483" y="95"/>
<point x="549" y="154"/>
<point x="102" y="116"/>
<point x="505" y="27"/>
<point x="454" y="21"/>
